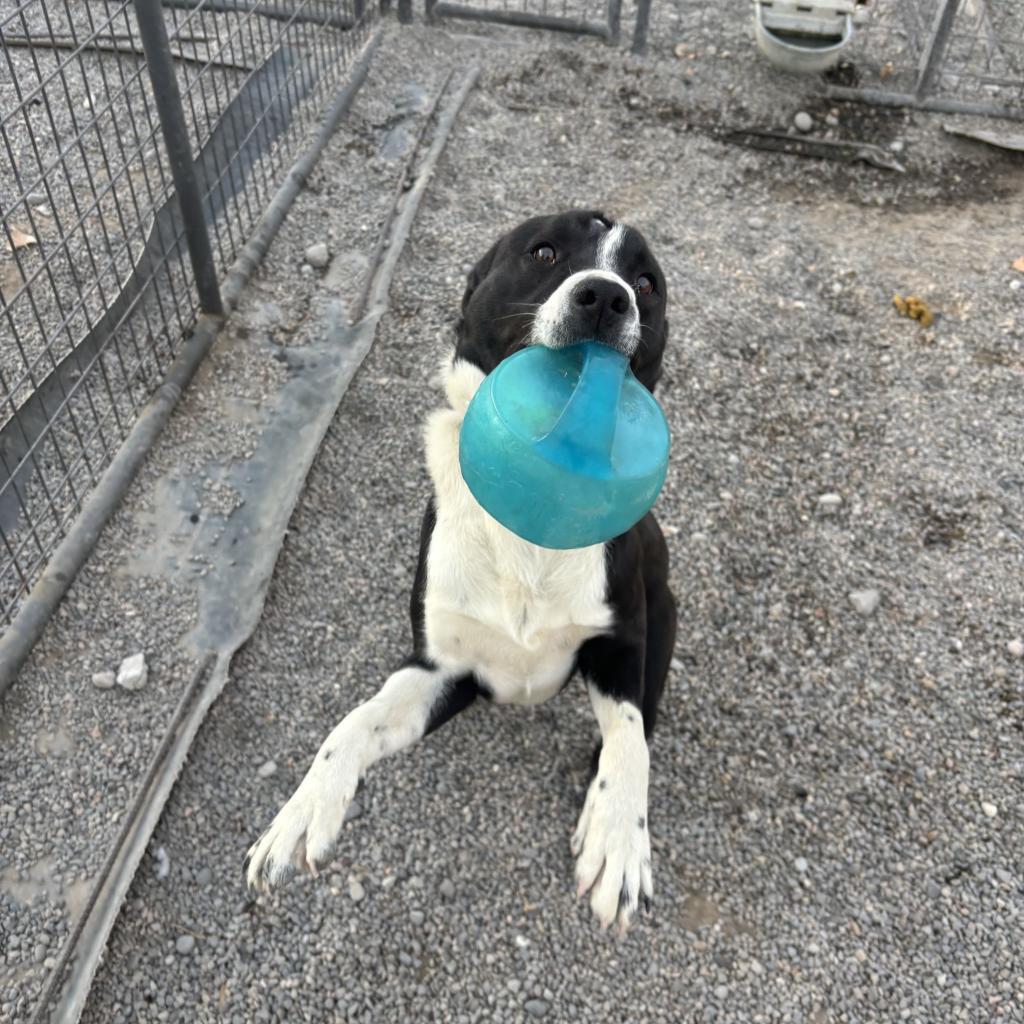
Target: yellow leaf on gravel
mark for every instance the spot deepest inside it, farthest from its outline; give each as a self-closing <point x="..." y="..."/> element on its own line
<point x="20" y="238"/>
<point x="1019" y="264"/>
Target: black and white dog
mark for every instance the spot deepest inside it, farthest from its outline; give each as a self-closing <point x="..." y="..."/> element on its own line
<point x="494" y="616"/>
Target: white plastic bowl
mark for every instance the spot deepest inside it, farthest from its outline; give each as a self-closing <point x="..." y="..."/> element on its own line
<point x="814" y="47"/>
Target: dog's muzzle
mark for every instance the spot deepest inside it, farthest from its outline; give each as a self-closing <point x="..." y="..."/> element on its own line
<point x="592" y="305"/>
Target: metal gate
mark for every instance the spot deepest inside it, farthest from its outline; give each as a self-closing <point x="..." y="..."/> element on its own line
<point x="959" y="56"/>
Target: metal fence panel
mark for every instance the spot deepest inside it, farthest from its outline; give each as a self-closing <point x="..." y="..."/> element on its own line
<point x="946" y="54"/>
<point x="96" y="290"/>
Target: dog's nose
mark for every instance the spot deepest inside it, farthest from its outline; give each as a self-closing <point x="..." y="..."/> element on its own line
<point x="601" y="299"/>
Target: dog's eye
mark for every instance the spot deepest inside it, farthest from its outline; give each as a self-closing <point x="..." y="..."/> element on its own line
<point x="644" y="284"/>
<point x="544" y="254"/>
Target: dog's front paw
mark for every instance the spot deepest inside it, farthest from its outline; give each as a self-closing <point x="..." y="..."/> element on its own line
<point x="613" y="852"/>
<point x="304" y="832"/>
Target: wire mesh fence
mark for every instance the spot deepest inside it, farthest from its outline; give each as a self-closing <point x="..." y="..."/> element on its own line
<point x="97" y="290"/>
<point x="945" y="54"/>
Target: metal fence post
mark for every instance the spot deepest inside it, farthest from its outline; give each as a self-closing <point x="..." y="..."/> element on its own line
<point x="167" y="98"/>
<point x="614" y="21"/>
<point x="428" y="11"/>
<point x="405" y="11"/>
<point x="643" y="17"/>
<point x="935" y="48"/>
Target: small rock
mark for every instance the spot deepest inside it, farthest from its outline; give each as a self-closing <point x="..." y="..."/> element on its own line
<point x="185" y="944"/>
<point x="388" y="881"/>
<point x="35" y="198"/>
<point x="521" y="941"/>
<point x="163" y="863"/>
<point x="317" y="255"/>
<point x="103" y="680"/>
<point x="513" y="984"/>
<point x="829" y="503"/>
<point x="356" y="891"/>
<point x="989" y="809"/>
<point x="831" y="120"/>
<point x="801" y="865"/>
<point x="1015" y="648"/>
<point x="266" y="769"/>
<point x="803" y="121"/>
<point x="355" y="810"/>
<point x="417" y="917"/>
<point x="897" y="145"/>
<point x="133" y="673"/>
<point x="204" y="876"/>
<point x="756" y="223"/>
<point x="1004" y="876"/>
<point x="447" y="889"/>
<point x="535" y="1007"/>
<point x="865" y="601"/>
<point x="931" y="887"/>
<point x="676" y="665"/>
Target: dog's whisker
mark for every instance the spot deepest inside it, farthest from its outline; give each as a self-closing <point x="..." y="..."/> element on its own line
<point x="510" y="316"/>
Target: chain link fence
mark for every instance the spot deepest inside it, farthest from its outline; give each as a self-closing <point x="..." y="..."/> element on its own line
<point x="139" y="144"/>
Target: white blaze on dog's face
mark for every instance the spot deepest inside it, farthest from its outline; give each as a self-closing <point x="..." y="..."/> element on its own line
<point x="563" y="279"/>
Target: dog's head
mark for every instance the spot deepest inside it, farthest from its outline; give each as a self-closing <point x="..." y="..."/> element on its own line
<point x="563" y="279"/>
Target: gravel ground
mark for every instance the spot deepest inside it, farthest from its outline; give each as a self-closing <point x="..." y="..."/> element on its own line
<point x="836" y="779"/>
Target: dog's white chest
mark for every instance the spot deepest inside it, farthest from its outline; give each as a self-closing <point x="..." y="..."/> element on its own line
<point x="495" y="605"/>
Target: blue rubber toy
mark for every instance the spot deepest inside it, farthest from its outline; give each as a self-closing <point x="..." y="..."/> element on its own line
<point x="564" y="447"/>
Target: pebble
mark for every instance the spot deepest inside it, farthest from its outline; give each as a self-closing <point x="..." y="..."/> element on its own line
<point x="756" y="223"/>
<point x="417" y="917"/>
<point x="989" y="809"/>
<point x="1004" y="876"/>
<point x="163" y="863"/>
<point x="803" y="121"/>
<point x="35" y="198"/>
<point x="133" y="673"/>
<point x="447" y="889"/>
<point x="317" y="255"/>
<point x="676" y="665"/>
<point x="266" y="769"/>
<point x="801" y="865"/>
<point x="204" y="876"/>
<point x="829" y="503"/>
<point x="865" y="601"/>
<point x="355" y="890"/>
<point x="103" y="680"/>
<point x="897" y="145"/>
<point x="355" y="810"/>
<point x="1015" y="648"/>
<point x="535" y="1007"/>
<point x="185" y="944"/>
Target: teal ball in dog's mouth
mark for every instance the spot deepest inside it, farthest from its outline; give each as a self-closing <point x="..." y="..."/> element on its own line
<point x="564" y="447"/>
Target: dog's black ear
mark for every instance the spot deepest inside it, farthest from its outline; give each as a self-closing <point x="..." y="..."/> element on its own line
<point x="478" y="273"/>
<point x="473" y="349"/>
<point x="649" y="357"/>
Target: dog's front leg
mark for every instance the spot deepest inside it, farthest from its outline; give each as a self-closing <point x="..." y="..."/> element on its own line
<point x="414" y="700"/>
<point x="611" y="842"/>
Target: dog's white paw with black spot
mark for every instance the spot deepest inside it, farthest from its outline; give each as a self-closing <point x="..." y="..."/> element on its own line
<point x="304" y="832"/>
<point x="612" y="847"/>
